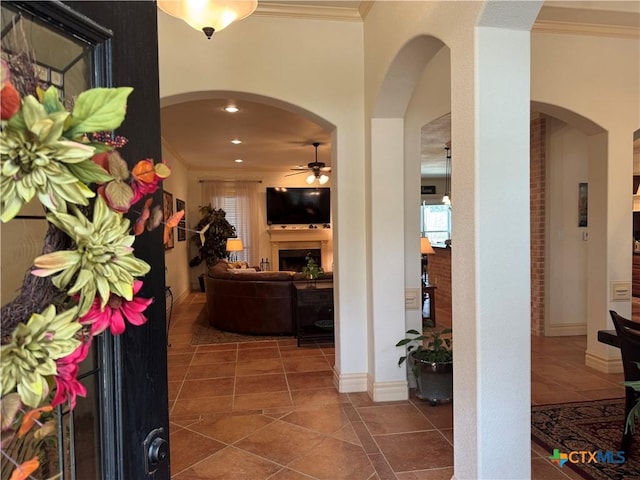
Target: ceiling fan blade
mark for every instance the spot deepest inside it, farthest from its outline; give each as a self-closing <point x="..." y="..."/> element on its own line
<point x="297" y="173"/>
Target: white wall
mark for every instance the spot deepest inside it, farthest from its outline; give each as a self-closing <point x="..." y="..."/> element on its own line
<point x="177" y="259"/>
<point x="567" y="163"/>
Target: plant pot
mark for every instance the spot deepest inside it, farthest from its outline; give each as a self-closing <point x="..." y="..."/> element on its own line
<point x="201" y="282"/>
<point x="435" y="381"/>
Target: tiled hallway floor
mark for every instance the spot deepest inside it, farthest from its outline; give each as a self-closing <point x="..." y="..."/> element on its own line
<point x="269" y="410"/>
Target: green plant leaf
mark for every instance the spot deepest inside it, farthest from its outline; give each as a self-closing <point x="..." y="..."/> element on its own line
<point x="51" y="100"/>
<point x="88" y="171"/>
<point x="9" y="408"/>
<point x="98" y="109"/>
<point x="117" y="166"/>
<point x="119" y="194"/>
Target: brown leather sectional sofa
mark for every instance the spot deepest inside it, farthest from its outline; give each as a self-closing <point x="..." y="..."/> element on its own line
<point x="256" y="303"/>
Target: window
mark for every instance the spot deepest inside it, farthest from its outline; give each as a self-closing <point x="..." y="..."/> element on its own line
<point x="239" y="201"/>
<point x="435" y="223"/>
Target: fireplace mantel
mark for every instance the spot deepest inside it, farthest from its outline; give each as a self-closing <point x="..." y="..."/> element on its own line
<point x="301" y="239"/>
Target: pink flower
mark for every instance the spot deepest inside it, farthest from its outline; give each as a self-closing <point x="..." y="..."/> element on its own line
<point x="140" y="189"/>
<point x="67" y="385"/>
<point x="116" y="310"/>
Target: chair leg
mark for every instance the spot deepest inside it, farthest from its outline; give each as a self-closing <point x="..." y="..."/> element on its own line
<point x="630" y="401"/>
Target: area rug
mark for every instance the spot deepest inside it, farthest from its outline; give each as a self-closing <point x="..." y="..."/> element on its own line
<point x="205" y="334"/>
<point x="594" y="426"/>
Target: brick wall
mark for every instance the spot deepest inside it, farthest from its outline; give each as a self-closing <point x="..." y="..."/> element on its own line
<point x="440" y="275"/>
<point x="537" y="212"/>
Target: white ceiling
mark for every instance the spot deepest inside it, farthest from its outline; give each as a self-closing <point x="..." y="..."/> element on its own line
<point x="273" y="139"/>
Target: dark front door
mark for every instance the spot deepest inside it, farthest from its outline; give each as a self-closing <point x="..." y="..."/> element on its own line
<point x="140" y="354"/>
<point x="122" y="426"/>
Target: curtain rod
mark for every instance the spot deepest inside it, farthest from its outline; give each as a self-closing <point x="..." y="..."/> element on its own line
<point x="206" y="180"/>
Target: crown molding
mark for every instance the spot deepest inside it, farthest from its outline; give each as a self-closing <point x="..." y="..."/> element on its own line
<point x="590" y="29"/>
<point x="319" y="12"/>
<point x="591" y="22"/>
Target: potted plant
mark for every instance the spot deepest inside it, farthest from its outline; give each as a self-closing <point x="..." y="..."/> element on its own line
<point x="311" y="271"/>
<point x="210" y="238"/>
<point x="431" y="361"/>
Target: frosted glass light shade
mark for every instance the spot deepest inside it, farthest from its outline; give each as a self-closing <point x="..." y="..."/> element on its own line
<point x="310" y="179"/>
<point x="202" y="14"/>
<point x="323" y="179"/>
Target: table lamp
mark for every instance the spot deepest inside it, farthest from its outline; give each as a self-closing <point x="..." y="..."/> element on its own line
<point x="425" y="249"/>
<point x="234" y="245"/>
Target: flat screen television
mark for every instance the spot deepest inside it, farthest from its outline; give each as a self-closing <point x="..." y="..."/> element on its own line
<point x="298" y="205"/>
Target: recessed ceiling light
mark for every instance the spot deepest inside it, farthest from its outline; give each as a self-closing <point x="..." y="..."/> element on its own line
<point x="231" y="109"/>
<point x="236" y="141"/>
<point x="238" y="160"/>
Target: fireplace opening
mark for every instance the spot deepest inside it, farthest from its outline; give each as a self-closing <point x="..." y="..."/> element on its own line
<point x="295" y="260"/>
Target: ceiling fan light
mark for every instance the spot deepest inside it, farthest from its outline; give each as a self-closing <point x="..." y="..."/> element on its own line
<point x="216" y="14"/>
<point x="323" y="179"/>
<point x="310" y="179"/>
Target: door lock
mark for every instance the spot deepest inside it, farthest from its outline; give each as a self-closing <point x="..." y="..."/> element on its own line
<point x="156" y="450"/>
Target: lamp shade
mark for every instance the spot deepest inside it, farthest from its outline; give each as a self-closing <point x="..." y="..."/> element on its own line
<point x="425" y="246"/>
<point x="234" y="245"/>
<point x="201" y="14"/>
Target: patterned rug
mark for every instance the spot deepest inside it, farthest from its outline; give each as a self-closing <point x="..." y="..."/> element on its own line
<point x="594" y="426"/>
<point x="205" y="334"/>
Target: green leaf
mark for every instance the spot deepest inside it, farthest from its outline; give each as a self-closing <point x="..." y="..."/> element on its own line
<point x="11" y="209"/>
<point x="162" y="170"/>
<point x="33" y="111"/>
<point x="51" y="101"/>
<point x="89" y="171"/>
<point x="117" y="166"/>
<point x="98" y="109"/>
<point x="16" y="122"/>
<point x="9" y="408"/>
<point x="119" y="194"/>
<point x="57" y="261"/>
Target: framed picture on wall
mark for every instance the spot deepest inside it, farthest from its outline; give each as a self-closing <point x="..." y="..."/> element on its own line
<point x="182" y="224"/>
<point x="167" y="210"/>
<point x="583" y="204"/>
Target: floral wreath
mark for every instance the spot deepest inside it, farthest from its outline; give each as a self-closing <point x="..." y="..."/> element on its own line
<point x="68" y="161"/>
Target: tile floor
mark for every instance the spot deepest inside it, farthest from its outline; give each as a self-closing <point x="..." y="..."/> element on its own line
<point x="269" y="410"/>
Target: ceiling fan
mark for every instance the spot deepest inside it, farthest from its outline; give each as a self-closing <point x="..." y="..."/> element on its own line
<point x="316" y="168"/>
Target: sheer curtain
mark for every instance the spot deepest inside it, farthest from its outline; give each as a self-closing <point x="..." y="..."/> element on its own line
<point x="239" y="199"/>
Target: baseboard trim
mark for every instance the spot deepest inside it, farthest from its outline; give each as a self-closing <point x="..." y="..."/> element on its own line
<point x="603" y="364"/>
<point x="387" y="391"/>
<point x="350" y="382"/>
<point x="567" y="330"/>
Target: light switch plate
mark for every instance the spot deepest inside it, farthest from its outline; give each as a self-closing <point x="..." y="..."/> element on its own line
<point x="620" y="291"/>
<point x="412" y="299"/>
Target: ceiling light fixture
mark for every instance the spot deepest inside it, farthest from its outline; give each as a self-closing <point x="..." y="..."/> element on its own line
<point x="236" y="141"/>
<point x="238" y="160"/>
<point x="208" y="15"/>
<point x="231" y="109"/>
<point x="316" y="168"/>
